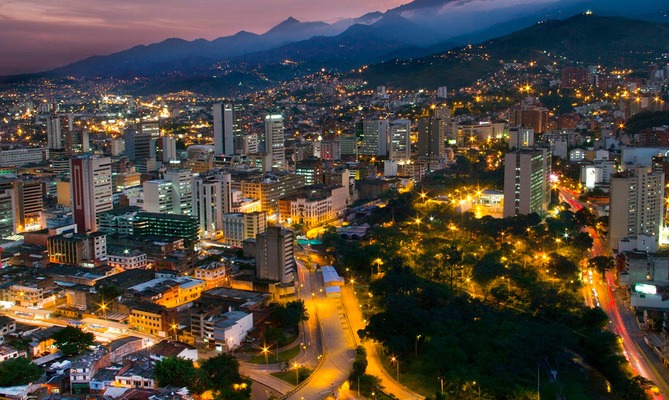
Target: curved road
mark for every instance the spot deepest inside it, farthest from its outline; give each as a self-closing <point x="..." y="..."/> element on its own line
<point x="641" y="359"/>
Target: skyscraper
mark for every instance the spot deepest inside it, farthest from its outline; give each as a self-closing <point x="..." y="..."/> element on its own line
<point x="636" y="205"/>
<point x="374" y="137"/>
<point x="228" y="136"/>
<point x="275" y="259"/>
<point x="526" y="187"/>
<point x="90" y="190"/>
<point x="274" y="141"/>
<point x="211" y="199"/>
<point x="431" y="137"/>
<point x="54" y="131"/>
<point x="400" y="140"/>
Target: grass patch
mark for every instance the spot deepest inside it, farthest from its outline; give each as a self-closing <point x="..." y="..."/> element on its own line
<point x="572" y="383"/>
<point x="290" y="375"/>
<point x="418" y="377"/>
<point x="271" y="357"/>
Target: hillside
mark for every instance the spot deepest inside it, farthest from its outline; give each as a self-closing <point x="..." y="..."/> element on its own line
<point x="590" y="39"/>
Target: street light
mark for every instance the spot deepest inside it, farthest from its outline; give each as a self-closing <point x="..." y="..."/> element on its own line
<point x="416" y="347"/>
<point x="297" y="373"/>
<point x="265" y="351"/>
<point x="397" y="364"/>
<point x="479" y="387"/>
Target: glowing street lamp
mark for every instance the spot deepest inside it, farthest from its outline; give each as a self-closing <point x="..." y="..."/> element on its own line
<point x="397" y="365"/>
<point x="297" y="373"/>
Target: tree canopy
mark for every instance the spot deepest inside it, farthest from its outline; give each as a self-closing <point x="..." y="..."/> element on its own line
<point x="174" y="371"/>
<point x="18" y="371"/>
<point x="72" y="340"/>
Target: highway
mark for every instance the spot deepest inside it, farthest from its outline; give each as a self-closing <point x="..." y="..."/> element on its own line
<point x="599" y="291"/>
<point x="338" y="341"/>
<point x="374" y="366"/>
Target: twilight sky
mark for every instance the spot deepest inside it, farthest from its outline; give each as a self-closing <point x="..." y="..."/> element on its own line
<point x="36" y="35"/>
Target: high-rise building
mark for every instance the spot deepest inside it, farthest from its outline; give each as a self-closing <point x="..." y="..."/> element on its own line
<point x="228" y="136"/>
<point x="637" y="204"/>
<point x="6" y="213"/>
<point x="241" y="226"/>
<point x="374" y="137"/>
<point x="431" y="137"/>
<point x="158" y="196"/>
<point x="530" y="114"/>
<point x="526" y="186"/>
<point x="169" y="149"/>
<point x="311" y="169"/>
<point x="212" y="198"/>
<point x="77" y="248"/>
<point x="521" y="137"/>
<point x="90" y="190"/>
<point x="275" y="260"/>
<point x="140" y="144"/>
<point x="55" y="125"/>
<point x="348" y="145"/>
<point x="400" y="140"/>
<point x="274" y="141"/>
<point x="29" y="204"/>
<point x="182" y="190"/>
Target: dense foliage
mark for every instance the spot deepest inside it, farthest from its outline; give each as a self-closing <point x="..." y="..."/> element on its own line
<point x="493" y="301"/>
<point x="18" y="371"/>
<point x="72" y="340"/>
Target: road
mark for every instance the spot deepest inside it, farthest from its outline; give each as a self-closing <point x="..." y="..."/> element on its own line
<point x="338" y="342"/>
<point x="374" y="366"/>
<point x="600" y="292"/>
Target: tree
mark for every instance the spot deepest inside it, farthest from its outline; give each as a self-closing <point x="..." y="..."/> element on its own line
<point x="487" y="270"/>
<point x="174" y="371"/>
<point x="221" y="375"/>
<point x="359" y="364"/>
<point x="601" y="263"/>
<point x="296" y="312"/>
<point x="18" y="371"/>
<point x="72" y="340"/>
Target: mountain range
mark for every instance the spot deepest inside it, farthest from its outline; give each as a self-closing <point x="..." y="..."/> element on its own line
<point x="249" y="61"/>
<point x="583" y="38"/>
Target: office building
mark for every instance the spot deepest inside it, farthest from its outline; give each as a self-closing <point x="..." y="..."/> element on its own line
<point x="313" y="206"/>
<point x="274" y="141"/>
<point x="77" y="249"/>
<point x="90" y="190"/>
<point x="212" y="198"/>
<point x="637" y="204"/>
<point x="374" y="137"/>
<point x="158" y="196"/>
<point x="530" y="114"/>
<point x="311" y="169"/>
<point x="400" y="140"/>
<point x="431" y="137"/>
<point x="224" y="141"/>
<point x="18" y="157"/>
<point x="275" y="260"/>
<point x="526" y="186"/>
<point x="169" y="149"/>
<point x="520" y="138"/>
<point x="348" y="146"/>
<point x="182" y="190"/>
<point x="268" y="188"/>
<point x="55" y="124"/>
<point x="241" y="226"/>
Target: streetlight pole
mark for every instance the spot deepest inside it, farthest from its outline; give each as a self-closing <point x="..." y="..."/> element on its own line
<point x="441" y="380"/>
<point x="397" y="366"/>
<point x="297" y="374"/>
<point x="416" y="346"/>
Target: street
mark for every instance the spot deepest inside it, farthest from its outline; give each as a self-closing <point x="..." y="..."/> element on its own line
<point x="600" y="292"/>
